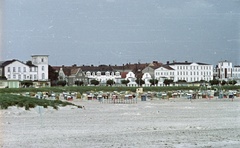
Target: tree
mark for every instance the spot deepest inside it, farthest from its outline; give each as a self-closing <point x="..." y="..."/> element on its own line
<point x="139" y="81"/>
<point x="153" y="81"/>
<point x="79" y="83"/>
<point x="29" y="63"/>
<point x="167" y="82"/>
<point x="26" y="83"/>
<point x="232" y="82"/>
<point x="214" y="82"/>
<point x="110" y="82"/>
<point x="53" y="75"/>
<point x="223" y="82"/>
<point x="94" y="82"/>
<point x="181" y="81"/>
<point x="125" y="82"/>
<point x="61" y="83"/>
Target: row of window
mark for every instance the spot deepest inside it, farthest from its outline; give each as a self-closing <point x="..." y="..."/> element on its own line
<point x="17" y="69"/>
<point x="24" y="77"/>
<point x="183" y="73"/>
<point x="164" y="73"/>
<point x="193" y="79"/>
<point x="23" y="69"/>
<point x="99" y="73"/>
<point x="195" y="67"/>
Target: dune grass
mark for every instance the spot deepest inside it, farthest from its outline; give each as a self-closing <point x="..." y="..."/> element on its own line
<point x="7" y="100"/>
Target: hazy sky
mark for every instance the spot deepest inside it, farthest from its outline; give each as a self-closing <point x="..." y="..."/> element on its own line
<point x="122" y="31"/>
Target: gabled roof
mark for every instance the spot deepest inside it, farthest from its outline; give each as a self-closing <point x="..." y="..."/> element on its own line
<point x="167" y="67"/>
<point x="5" y="63"/>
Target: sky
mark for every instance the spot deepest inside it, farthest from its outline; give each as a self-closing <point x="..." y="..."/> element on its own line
<point x="86" y="32"/>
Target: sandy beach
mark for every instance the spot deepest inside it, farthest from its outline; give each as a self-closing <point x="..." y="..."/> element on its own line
<point x="152" y="123"/>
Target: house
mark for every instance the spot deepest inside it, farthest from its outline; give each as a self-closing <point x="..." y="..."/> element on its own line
<point x="17" y="70"/>
<point x="71" y="74"/>
<point x="35" y="70"/>
<point x="164" y="72"/>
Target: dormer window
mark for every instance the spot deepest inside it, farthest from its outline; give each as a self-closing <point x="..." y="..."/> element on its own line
<point x="117" y="73"/>
<point x="42" y="59"/>
<point x="107" y="73"/>
<point x="98" y="73"/>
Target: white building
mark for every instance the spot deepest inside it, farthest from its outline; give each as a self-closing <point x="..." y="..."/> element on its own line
<point x="191" y="71"/>
<point x="17" y="70"/>
<point x="41" y="61"/>
<point x="224" y="70"/>
<point x="164" y="72"/>
<point x="103" y="77"/>
<point x="236" y="72"/>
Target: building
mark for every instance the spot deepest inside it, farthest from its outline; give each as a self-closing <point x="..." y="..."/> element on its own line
<point x="191" y="71"/>
<point x="35" y="70"/>
<point x="164" y="72"/>
<point x="41" y="61"/>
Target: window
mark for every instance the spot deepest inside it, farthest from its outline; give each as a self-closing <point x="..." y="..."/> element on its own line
<point x="43" y="76"/>
<point x="14" y="69"/>
<point x="24" y="77"/>
<point x="19" y="69"/>
<point x="42" y="68"/>
<point x="42" y="59"/>
<point x="9" y="76"/>
<point x="19" y="77"/>
<point x="24" y="69"/>
<point x="35" y="77"/>
<point x="14" y="76"/>
<point x="9" y="69"/>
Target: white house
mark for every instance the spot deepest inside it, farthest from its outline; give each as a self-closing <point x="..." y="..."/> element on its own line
<point x="146" y="78"/>
<point x="164" y="72"/>
<point x="191" y="71"/>
<point x="103" y="77"/>
<point x="17" y="70"/>
<point x="131" y="77"/>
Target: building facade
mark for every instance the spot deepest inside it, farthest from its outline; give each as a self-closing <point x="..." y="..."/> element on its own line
<point x="36" y="70"/>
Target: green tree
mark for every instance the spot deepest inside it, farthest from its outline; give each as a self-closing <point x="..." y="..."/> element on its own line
<point x="61" y="83"/>
<point x="79" y="83"/>
<point x="94" y="82"/>
<point x="53" y="75"/>
<point x="223" y="82"/>
<point x="214" y="82"/>
<point x="29" y="63"/>
<point x="110" y="82"/>
<point x="26" y="83"/>
<point x="167" y="82"/>
<point x="153" y="81"/>
<point x="125" y="82"/>
<point x="232" y="82"/>
<point x="139" y="81"/>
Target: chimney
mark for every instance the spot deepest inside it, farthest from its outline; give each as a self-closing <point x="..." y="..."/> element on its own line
<point x="167" y="62"/>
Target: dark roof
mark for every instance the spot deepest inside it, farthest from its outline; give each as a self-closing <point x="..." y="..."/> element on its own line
<point x="186" y="63"/>
<point x="167" y="67"/>
<point x="5" y="63"/>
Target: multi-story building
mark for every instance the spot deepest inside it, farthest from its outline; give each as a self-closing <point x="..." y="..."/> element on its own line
<point x="41" y="61"/>
<point x="191" y="71"/>
<point x="36" y="70"/>
<point x="236" y="72"/>
<point x="164" y="72"/>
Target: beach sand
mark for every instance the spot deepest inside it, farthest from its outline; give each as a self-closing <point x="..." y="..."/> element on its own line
<point x="156" y="123"/>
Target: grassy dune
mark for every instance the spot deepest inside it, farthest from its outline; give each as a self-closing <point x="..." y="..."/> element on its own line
<point x="7" y="100"/>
